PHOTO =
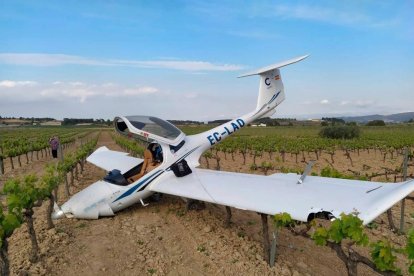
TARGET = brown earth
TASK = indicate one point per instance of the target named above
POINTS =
(165, 239)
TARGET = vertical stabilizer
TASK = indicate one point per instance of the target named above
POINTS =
(271, 90)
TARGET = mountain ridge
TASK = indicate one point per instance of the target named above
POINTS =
(392, 118)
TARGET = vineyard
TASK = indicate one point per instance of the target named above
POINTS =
(381, 154)
(169, 238)
(377, 154)
(23, 193)
(32, 144)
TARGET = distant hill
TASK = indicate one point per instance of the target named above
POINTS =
(393, 118)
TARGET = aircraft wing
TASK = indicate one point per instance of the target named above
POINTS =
(110, 160)
(280, 193)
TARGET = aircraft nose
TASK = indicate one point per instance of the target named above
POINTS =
(58, 214)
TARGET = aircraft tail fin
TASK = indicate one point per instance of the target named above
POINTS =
(271, 90)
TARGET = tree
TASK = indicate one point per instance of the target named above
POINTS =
(333, 121)
(340, 132)
(376, 123)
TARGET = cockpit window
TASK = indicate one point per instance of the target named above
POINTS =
(155, 126)
(121, 126)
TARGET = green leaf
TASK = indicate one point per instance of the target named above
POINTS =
(14, 203)
(411, 268)
(383, 257)
(320, 236)
(10, 222)
(335, 231)
(409, 248)
(282, 220)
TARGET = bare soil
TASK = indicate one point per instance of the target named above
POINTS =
(165, 239)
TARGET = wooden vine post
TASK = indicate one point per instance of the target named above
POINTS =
(405, 165)
(1, 165)
(391, 220)
(67, 193)
(228, 217)
(28, 218)
(266, 242)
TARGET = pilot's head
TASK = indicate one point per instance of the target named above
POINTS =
(153, 147)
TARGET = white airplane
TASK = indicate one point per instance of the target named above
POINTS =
(170, 166)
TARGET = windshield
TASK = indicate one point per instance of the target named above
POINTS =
(155, 126)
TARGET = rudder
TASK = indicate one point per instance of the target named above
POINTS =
(271, 89)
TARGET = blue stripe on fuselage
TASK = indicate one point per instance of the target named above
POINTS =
(150, 178)
(182, 157)
(131, 190)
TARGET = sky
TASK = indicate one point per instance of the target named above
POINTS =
(180, 59)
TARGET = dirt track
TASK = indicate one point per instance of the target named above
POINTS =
(164, 239)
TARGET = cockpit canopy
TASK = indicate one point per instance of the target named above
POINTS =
(148, 128)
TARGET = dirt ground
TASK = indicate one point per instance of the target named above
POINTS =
(165, 239)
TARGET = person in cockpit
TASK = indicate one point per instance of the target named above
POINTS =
(157, 153)
(152, 159)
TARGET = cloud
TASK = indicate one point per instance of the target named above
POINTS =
(39, 59)
(77, 83)
(45, 59)
(109, 85)
(182, 65)
(11, 84)
(354, 105)
(328, 15)
(82, 94)
(254, 34)
(331, 12)
(26, 91)
(140, 91)
(364, 103)
(190, 95)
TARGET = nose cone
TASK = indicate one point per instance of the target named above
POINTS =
(58, 214)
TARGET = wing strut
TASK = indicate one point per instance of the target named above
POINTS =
(306, 172)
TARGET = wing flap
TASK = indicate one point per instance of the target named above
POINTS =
(110, 160)
(281, 193)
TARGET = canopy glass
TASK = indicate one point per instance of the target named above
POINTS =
(149, 124)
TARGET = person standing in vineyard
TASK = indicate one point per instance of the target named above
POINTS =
(54, 144)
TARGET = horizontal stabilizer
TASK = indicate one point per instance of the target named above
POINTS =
(273, 66)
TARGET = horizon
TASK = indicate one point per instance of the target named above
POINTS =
(228, 119)
(180, 59)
